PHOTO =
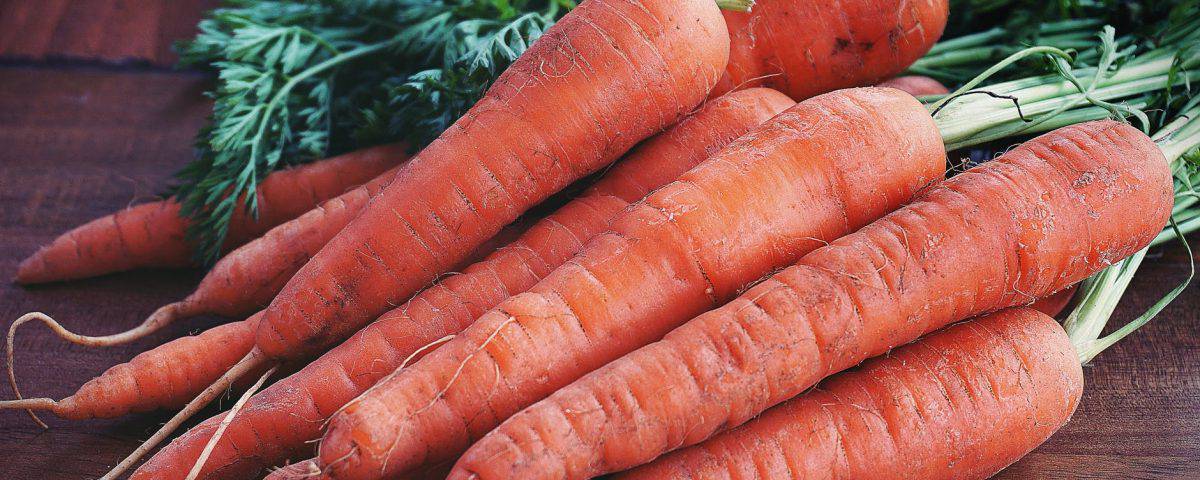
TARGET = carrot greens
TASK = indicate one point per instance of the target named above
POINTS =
(298, 81)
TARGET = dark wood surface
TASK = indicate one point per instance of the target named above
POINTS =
(139, 31)
(77, 142)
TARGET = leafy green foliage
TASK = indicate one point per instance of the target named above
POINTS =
(302, 80)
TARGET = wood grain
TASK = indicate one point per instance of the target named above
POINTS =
(102, 30)
(78, 144)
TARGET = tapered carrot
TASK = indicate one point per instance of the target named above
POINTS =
(961, 403)
(1041, 217)
(291, 412)
(154, 234)
(164, 377)
(807, 47)
(916, 85)
(607, 75)
(244, 281)
(782, 190)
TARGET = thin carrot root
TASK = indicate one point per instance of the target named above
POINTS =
(157, 320)
(29, 404)
(160, 318)
(251, 361)
(307, 469)
(36, 403)
(212, 442)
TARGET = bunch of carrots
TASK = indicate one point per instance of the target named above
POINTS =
(761, 269)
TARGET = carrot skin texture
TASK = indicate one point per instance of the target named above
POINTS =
(808, 47)
(245, 280)
(1055, 303)
(154, 235)
(771, 196)
(916, 85)
(998, 235)
(662, 159)
(290, 407)
(607, 75)
(959, 404)
(277, 422)
(167, 376)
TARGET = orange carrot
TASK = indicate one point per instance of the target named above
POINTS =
(154, 235)
(164, 377)
(609, 74)
(291, 413)
(916, 85)
(1055, 303)
(807, 47)
(1041, 217)
(780, 191)
(962, 403)
(246, 280)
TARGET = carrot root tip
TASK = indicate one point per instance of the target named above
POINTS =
(31, 404)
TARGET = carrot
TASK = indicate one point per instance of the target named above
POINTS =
(807, 47)
(916, 85)
(245, 280)
(607, 75)
(778, 192)
(154, 234)
(961, 403)
(1041, 217)
(180, 368)
(1055, 303)
(280, 422)
(164, 377)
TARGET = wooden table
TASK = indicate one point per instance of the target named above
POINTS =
(81, 136)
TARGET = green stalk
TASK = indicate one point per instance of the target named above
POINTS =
(978, 119)
(735, 5)
(952, 58)
(307, 73)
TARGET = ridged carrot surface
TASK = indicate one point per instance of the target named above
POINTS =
(822, 169)
(1042, 216)
(959, 404)
(609, 74)
(291, 413)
